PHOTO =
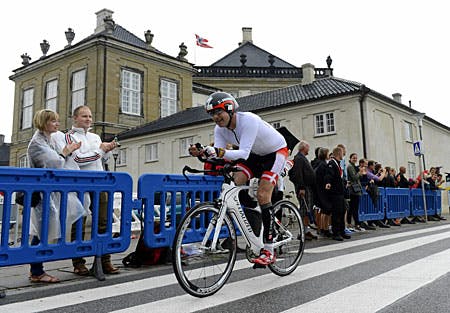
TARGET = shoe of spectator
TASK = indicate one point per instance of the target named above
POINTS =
(366, 226)
(310, 236)
(345, 236)
(81, 270)
(338, 238)
(313, 226)
(347, 231)
(359, 228)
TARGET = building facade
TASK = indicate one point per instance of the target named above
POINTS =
(124, 79)
(325, 112)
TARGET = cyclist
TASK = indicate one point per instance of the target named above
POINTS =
(262, 147)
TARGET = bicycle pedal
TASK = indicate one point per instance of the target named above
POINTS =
(256, 265)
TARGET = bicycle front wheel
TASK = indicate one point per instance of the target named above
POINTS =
(288, 227)
(201, 269)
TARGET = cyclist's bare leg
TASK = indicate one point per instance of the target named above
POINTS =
(265, 190)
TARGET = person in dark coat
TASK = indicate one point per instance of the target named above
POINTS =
(305, 179)
(335, 187)
(322, 200)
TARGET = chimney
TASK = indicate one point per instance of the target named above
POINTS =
(308, 74)
(246, 35)
(397, 97)
(101, 15)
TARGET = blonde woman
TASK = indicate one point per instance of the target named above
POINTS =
(42, 154)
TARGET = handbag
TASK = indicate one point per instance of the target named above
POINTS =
(356, 188)
(35, 198)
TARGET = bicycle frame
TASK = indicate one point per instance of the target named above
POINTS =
(229, 203)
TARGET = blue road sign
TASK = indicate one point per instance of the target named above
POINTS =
(418, 148)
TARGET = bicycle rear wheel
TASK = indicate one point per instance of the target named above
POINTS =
(200, 269)
(288, 224)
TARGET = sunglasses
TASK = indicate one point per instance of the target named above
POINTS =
(215, 111)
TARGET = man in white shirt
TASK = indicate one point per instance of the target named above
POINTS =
(261, 147)
(91, 156)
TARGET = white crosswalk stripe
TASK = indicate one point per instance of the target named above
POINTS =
(390, 286)
(248, 287)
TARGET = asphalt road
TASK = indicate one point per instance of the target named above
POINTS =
(401, 269)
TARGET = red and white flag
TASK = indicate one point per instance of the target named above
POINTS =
(202, 42)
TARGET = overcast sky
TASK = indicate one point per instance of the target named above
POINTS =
(391, 46)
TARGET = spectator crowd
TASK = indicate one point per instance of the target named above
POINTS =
(329, 189)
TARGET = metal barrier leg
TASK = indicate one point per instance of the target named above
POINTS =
(97, 268)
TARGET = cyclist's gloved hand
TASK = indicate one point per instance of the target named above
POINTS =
(213, 152)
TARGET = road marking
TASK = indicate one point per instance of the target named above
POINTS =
(255, 285)
(361, 242)
(380, 291)
(304, 272)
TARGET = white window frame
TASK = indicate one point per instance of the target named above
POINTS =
(151, 152)
(409, 136)
(27, 108)
(122, 157)
(412, 170)
(324, 124)
(185, 143)
(51, 95)
(276, 124)
(131, 90)
(168, 92)
(78, 88)
(23, 161)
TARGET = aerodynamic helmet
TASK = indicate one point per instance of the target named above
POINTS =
(221, 100)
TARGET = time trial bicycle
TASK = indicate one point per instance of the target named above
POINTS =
(205, 244)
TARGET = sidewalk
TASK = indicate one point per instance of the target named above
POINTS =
(14, 279)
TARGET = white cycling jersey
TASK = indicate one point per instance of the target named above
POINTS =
(251, 134)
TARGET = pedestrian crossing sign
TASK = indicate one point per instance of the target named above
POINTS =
(418, 148)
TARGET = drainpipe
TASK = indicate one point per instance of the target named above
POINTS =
(104, 93)
(363, 91)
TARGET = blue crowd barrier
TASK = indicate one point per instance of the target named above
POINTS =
(438, 202)
(161, 215)
(397, 202)
(417, 208)
(162, 199)
(367, 211)
(48, 181)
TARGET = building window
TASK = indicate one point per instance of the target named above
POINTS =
(151, 152)
(276, 124)
(168, 98)
(324, 123)
(131, 92)
(122, 157)
(408, 131)
(27, 108)
(185, 143)
(412, 170)
(51, 95)
(78, 89)
(23, 161)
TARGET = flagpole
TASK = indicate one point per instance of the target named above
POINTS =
(195, 55)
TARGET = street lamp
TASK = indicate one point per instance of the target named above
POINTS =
(115, 154)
